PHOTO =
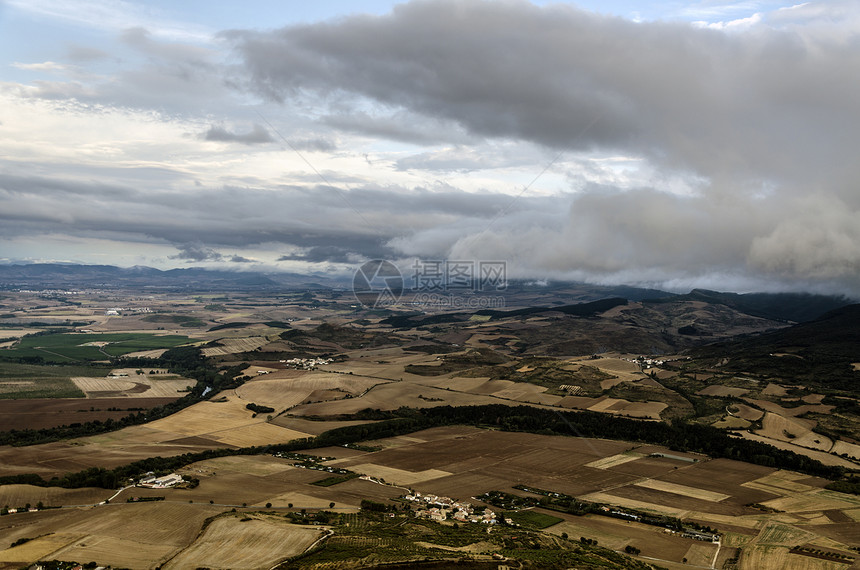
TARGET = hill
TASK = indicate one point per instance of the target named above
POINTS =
(794, 307)
(820, 352)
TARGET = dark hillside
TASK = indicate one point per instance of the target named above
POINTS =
(820, 352)
(795, 307)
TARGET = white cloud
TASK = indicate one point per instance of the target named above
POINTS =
(113, 16)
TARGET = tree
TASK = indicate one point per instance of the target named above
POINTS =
(331, 505)
(268, 505)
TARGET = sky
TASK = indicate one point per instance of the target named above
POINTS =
(672, 144)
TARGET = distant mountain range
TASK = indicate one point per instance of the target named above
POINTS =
(786, 307)
(63, 276)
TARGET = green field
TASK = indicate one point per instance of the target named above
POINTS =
(532, 519)
(72, 347)
(22, 381)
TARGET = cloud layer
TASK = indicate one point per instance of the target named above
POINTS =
(570, 144)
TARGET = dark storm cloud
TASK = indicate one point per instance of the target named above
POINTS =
(202, 222)
(762, 123)
(696, 98)
(257, 135)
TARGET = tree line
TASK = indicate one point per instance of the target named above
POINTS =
(677, 436)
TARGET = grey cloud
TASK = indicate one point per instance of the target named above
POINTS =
(240, 259)
(399, 126)
(197, 252)
(257, 135)
(235, 217)
(324, 253)
(723, 105)
(758, 127)
(82, 54)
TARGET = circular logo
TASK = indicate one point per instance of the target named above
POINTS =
(377, 283)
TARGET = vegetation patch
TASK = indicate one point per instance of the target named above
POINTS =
(65, 348)
(532, 519)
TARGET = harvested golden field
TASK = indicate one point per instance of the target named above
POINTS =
(616, 534)
(42, 547)
(774, 390)
(780, 482)
(794, 430)
(132, 535)
(825, 458)
(783, 535)
(850, 449)
(771, 557)
(745, 412)
(650, 410)
(283, 389)
(133, 385)
(612, 461)
(227, 422)
(685, 490)
(397, 476)
(505, 389)
(635, 504)
(19, 495)
(814, 501)
(235, 345)
(700, 554)
(232, 543)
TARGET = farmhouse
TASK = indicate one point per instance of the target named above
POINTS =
(154, 482)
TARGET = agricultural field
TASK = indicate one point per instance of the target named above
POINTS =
(52, 412)
(133, 383)
(460, 462)
(245, 542)
(547, 361)
(25, 381)
(63, 348)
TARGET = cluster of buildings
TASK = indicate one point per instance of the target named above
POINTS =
(306, 363)
(645, 362)
(444, 508)
(153, 482)
(116, 311)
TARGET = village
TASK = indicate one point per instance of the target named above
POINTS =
(443, 508)
(306, 363)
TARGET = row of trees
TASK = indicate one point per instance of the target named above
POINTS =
(677, 436)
